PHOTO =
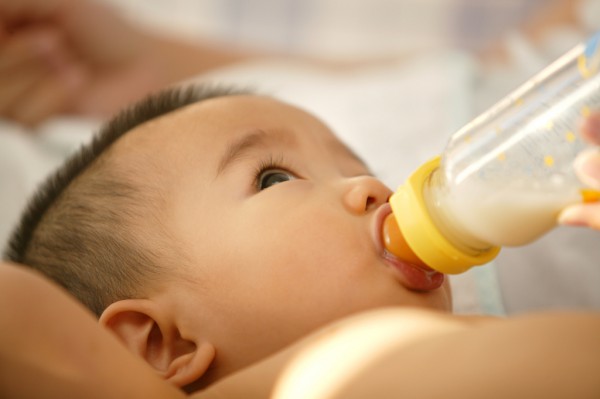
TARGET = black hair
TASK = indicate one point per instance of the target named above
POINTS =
(79, 227)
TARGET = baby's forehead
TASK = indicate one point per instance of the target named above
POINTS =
(218, 113)
(219, 120)
(211, 127)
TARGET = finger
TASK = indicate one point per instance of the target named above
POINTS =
(14, 85)
(22, 84)
(33, 9)
(48, 98)
(590, 128)
(22, 48)
(586, 215)
(3, 30)
(17, 50)
(587, 167)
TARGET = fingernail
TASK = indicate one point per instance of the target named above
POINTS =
(572, 216)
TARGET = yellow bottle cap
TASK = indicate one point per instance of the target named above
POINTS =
(421, 234)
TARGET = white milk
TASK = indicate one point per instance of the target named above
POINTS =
(504, 218)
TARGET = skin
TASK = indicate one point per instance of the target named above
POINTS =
(80, 57)
(52, 347)
(392, 350)
(427, 355)
(310, 242)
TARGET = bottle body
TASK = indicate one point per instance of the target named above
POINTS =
(514, 214)
(504, 177)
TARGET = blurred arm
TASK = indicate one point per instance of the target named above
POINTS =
(544, 355)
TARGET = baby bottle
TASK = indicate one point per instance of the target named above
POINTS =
(504, 177)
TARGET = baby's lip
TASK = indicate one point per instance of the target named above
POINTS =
(377, 231)
(411, 276)
(414, 277)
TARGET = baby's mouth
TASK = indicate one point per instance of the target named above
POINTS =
(414, 277)
(409, 270)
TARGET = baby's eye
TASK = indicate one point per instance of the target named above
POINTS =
(271, 177)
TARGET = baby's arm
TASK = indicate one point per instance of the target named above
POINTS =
(51, 347)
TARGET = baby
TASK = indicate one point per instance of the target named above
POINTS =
(209, 228)
(212, 228)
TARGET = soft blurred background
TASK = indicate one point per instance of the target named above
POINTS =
(343, 28)
(426, 68)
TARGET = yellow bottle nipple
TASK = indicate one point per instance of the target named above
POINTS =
(394, 242)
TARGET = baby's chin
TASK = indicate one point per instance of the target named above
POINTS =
(439, 299)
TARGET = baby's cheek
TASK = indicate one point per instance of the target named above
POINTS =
(338, 237)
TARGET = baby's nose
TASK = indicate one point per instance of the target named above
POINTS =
(364, 193)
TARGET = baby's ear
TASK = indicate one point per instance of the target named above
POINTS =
(150, 332)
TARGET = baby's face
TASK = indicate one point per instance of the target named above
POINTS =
(279, 221)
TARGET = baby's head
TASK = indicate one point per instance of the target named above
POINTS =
(209, 228)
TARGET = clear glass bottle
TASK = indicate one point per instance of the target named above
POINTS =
(504, 177)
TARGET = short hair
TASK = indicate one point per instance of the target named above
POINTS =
(78, 228)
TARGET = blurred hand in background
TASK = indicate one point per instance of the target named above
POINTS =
(81, 57)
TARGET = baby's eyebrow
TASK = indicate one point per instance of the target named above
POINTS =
(253, 139)
(347, 151)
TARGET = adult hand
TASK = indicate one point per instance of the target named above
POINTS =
(38, 75)
(67, 56)
(587, 168)
(81, 57)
